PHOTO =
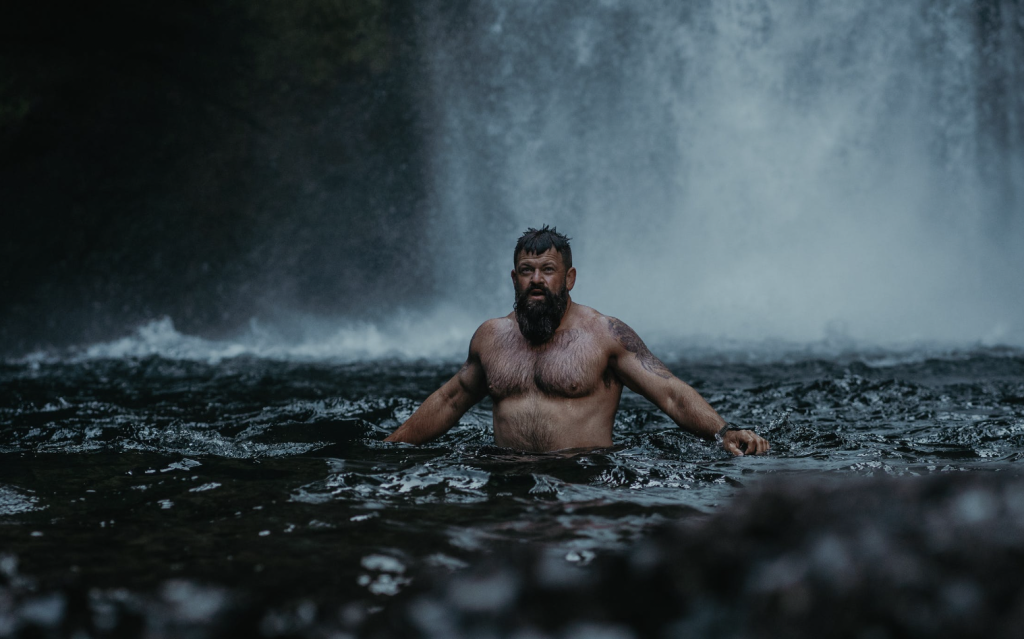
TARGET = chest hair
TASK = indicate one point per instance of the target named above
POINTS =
(570, 365)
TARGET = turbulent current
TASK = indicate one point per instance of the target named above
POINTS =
(178, 497)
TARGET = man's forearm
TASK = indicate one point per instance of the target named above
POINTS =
(432, 419)
(692, 413)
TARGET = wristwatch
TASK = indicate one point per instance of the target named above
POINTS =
(720, 435)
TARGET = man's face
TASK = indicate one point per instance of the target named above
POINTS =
(542, 286)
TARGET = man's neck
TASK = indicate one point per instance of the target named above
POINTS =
(561, 322)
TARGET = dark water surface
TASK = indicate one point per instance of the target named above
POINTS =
(161, 496)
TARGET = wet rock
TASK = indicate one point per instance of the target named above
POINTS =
(923, 557)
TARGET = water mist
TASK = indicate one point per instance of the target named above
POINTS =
(741, 169)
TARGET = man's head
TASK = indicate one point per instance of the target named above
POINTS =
(538, 241)
(543, 277)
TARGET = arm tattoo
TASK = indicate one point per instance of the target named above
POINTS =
(632, 343)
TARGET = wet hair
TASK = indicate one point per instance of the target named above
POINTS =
(536, 241)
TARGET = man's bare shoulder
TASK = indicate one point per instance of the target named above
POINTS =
(615, 334)
(491, 330)
(625, 342)
(597, 324)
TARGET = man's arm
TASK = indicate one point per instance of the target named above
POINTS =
(644, 373)
(446, 405)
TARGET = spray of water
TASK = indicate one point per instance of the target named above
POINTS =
(439, 334)
(735, 174)
(746, 169)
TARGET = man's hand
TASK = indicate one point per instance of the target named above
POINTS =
(744, 442)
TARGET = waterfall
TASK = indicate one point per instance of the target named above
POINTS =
(740, 168)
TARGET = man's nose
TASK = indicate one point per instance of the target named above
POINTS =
(536, 276)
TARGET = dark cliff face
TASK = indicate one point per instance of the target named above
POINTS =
(206, 161)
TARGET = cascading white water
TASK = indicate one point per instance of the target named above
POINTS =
(740, 168)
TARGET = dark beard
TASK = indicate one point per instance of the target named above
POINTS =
(539, 320)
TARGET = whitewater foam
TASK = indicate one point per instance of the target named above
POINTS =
(439, 335)
(444, 333)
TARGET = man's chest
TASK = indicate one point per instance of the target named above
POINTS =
(572, 365)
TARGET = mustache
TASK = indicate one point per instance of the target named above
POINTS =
(523, 297)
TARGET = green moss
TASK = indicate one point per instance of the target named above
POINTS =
(15, 105)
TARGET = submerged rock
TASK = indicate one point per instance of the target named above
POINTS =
(920, 557)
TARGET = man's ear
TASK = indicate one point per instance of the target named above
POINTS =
(570, 279)
(513, 277)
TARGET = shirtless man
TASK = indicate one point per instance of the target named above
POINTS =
(555, 369)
